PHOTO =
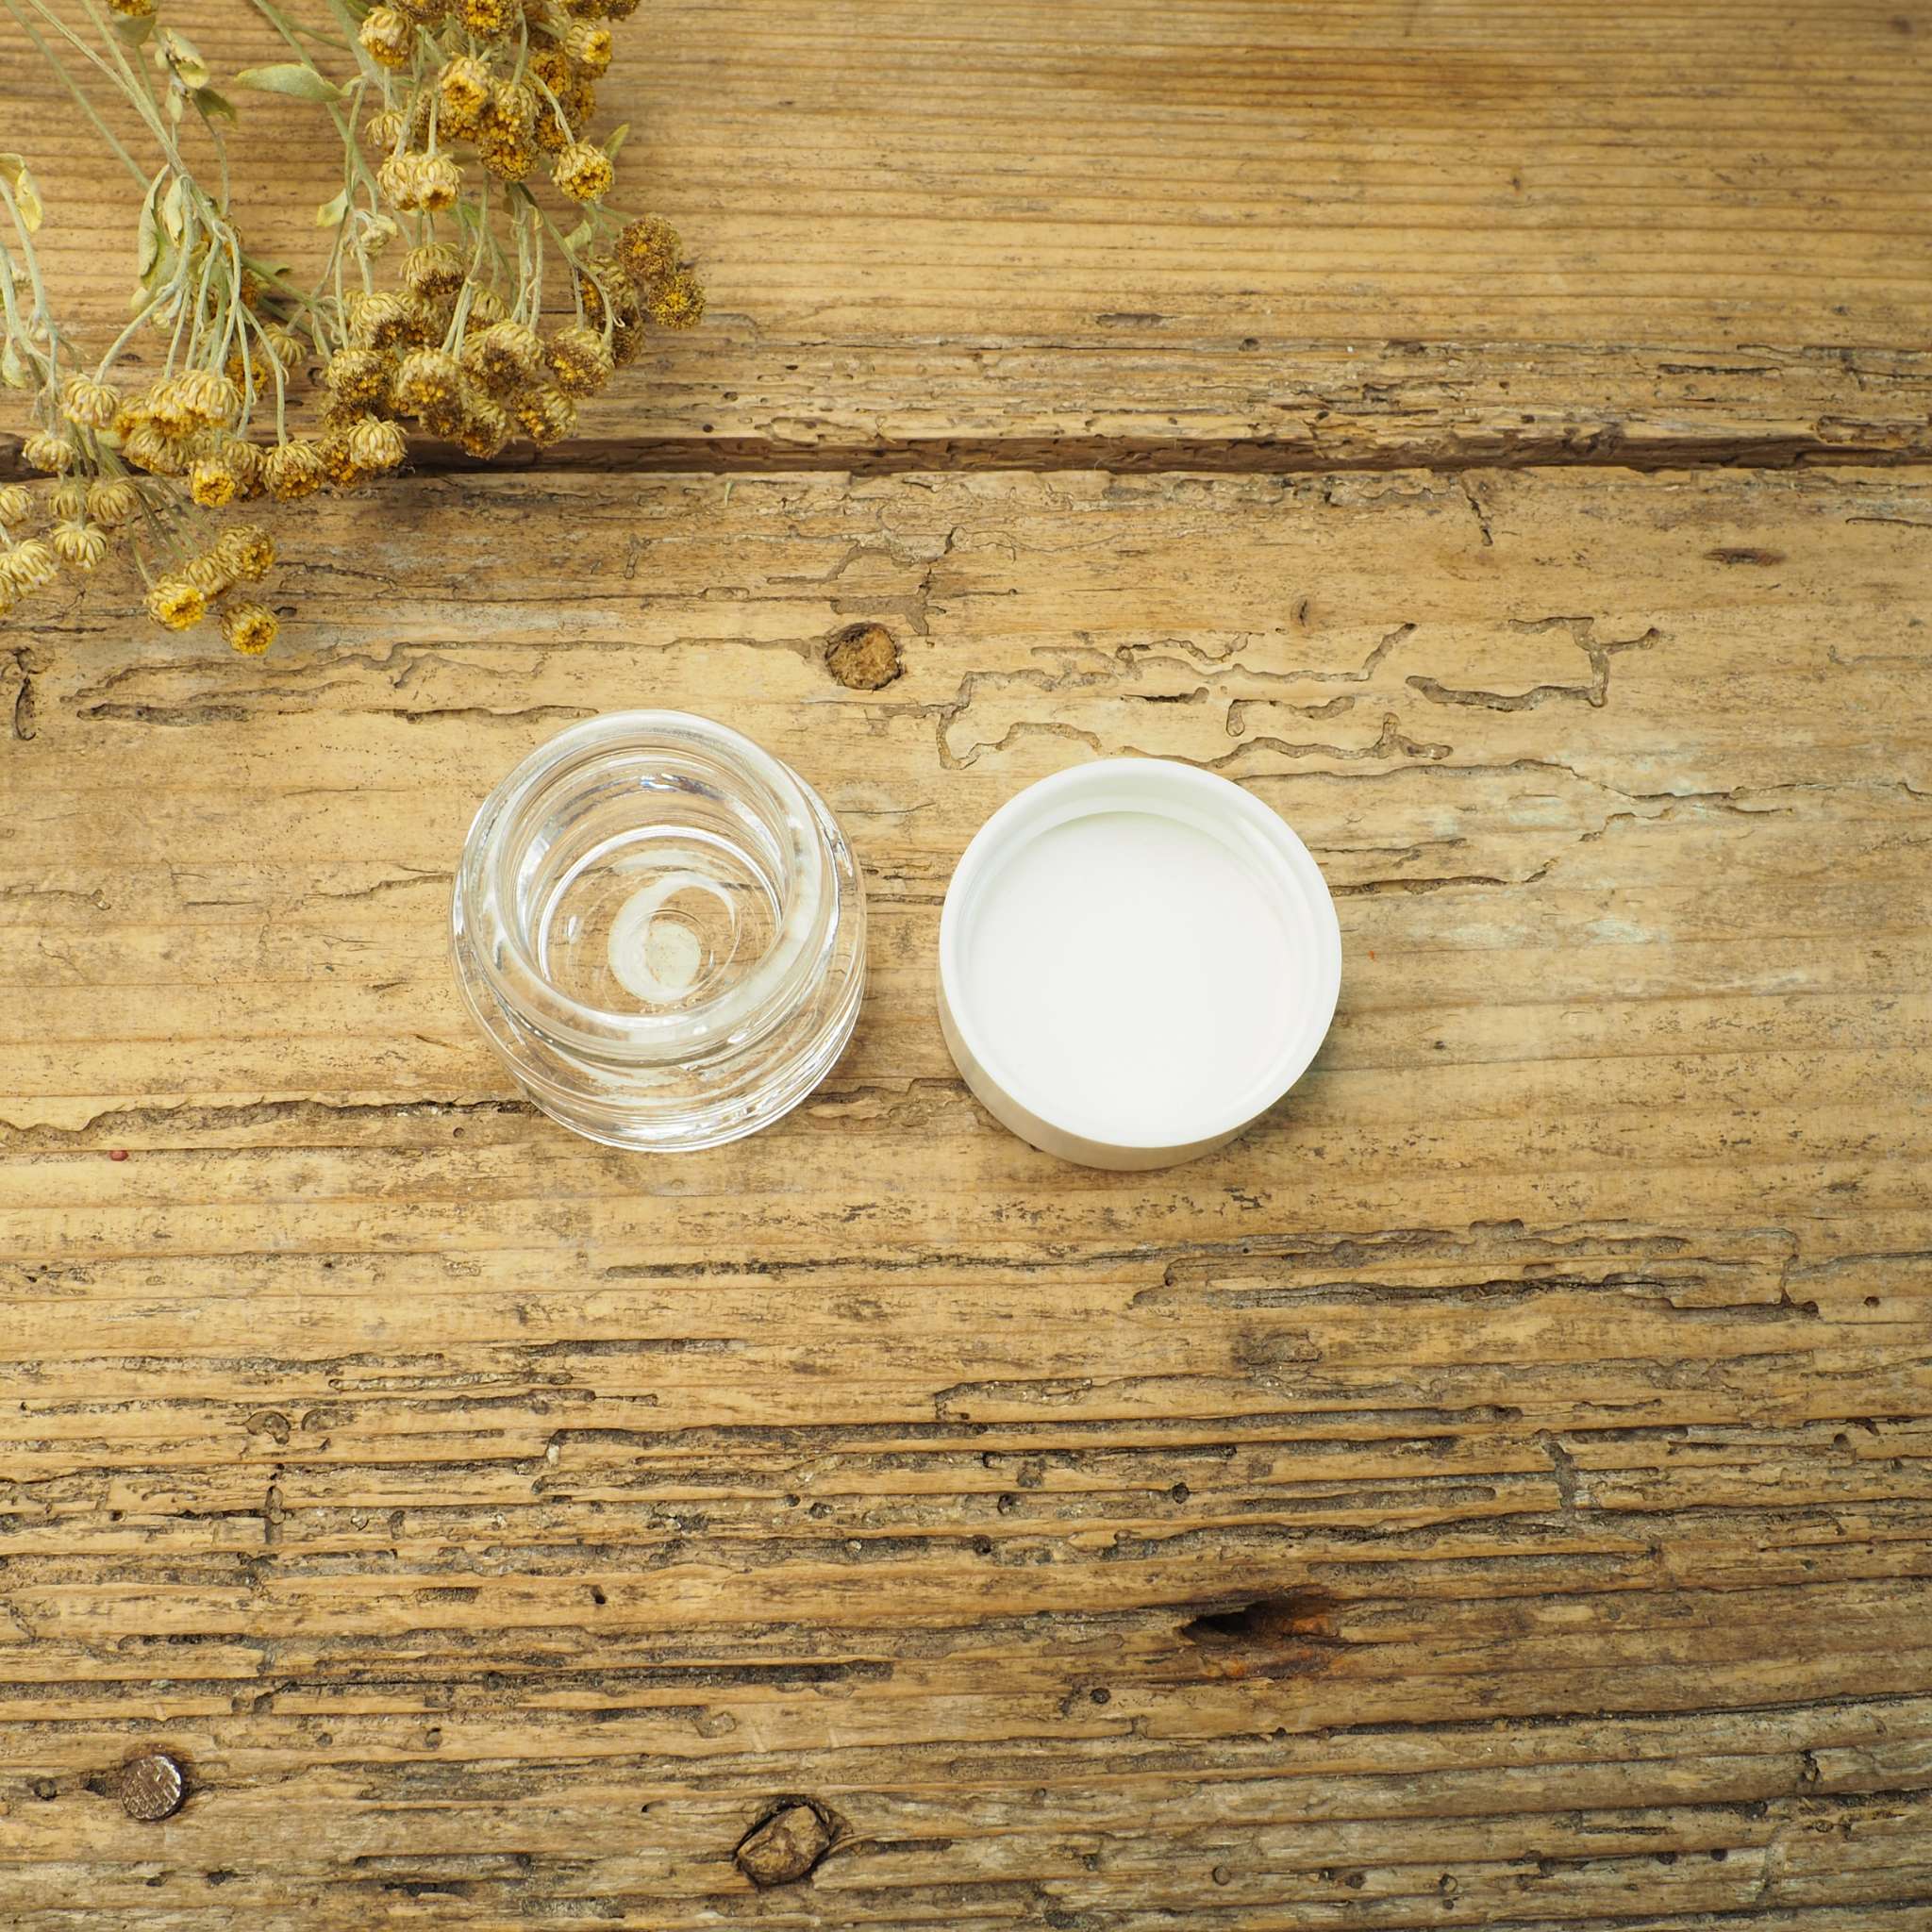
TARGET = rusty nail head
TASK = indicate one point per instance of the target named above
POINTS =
(151, 1786)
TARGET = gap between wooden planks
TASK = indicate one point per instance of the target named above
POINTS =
(1492, 1495)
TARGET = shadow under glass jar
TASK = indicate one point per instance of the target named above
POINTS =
(662, 929)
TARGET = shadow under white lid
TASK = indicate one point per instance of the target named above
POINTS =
(1133, 974)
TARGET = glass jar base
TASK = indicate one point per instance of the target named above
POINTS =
(730, 1116)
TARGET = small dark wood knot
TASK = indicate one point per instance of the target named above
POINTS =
(150, 1788)
(1287, 1636)
(863, 657)
(786, 1844)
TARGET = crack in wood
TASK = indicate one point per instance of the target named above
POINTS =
(1603, 445)
(26, 664)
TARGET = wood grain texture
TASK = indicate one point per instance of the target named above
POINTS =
(1497, 1492)
(1287, 236)
(1494, 1493)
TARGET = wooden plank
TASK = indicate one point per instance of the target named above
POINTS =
(1281, 237)
(1494, 1493)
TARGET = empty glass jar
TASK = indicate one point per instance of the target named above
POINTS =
(662, 929)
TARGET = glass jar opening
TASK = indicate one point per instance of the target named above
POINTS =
(647, 884)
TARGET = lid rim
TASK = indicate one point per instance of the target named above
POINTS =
(1035, 810)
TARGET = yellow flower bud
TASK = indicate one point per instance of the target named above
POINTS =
(375, 445)
(246, 550)
(648, 250)
(489, 19)
(30, 566)
(210, 482)
(462, 92)
(679, 303)
(150, 449)
(210, 573)
(209, 398)
(580, 360)
(90, 402)
(486, 427)
(169, 407)
(358, 377)
(486, 306)
(400, 179)
(292, 470)
(435, 269)
(508, 356)
(509, 159)
(43, 450)
(440, 183)
(589, 46)
(547, 414)
(249, 628)
(176, 604)
(112, 501)
(428, 379)
(243, 461)
(583, 172)
(339, 459)
(387, 38)
(378, 321)
(83, 545)
(283, 345)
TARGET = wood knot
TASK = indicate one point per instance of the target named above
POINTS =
(863, 657)
(787, 1843)
(150, 1788)
(1746, 553)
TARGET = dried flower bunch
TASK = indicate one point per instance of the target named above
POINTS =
(440, 309)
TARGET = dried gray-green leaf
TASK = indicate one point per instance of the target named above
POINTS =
(173, 209)
(295, 78)
(175, 52)
(26, 199)
(148, 233)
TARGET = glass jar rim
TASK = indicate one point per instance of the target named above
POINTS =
(486, 896)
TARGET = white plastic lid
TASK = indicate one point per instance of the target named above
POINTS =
(1137, 958)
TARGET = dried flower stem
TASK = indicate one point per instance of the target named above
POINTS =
(449, 346)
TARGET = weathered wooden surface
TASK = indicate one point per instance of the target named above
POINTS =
(1498, 1493)
(1493, 1492)
(1280, 236)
